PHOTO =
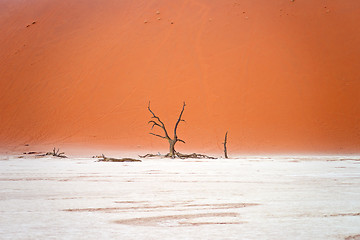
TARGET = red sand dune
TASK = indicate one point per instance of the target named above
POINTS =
(280, 76)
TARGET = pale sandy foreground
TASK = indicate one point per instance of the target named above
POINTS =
(245, 198)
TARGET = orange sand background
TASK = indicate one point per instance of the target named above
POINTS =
(280, 76)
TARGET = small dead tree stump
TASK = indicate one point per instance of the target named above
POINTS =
(54, 153)
(225, 142)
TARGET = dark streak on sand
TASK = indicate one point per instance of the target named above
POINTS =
(148, 208)
(343, 215)
(354, 237)
(224, 205)
(181, 219)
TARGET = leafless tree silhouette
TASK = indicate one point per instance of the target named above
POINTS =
(156, 122)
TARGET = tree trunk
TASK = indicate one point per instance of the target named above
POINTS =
(172, 148)
(225, 149)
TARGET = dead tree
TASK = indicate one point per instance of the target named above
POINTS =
(55, 153)
(225, 142)
(172, 141)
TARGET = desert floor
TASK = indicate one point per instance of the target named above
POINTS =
(241, 198)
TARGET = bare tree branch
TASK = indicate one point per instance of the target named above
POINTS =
(158, 135)
(179, 120)
(154, 124)
(181, 140)
(162, 125)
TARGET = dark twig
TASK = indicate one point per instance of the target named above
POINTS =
(181, 140)
(154, 124)
(157, 135)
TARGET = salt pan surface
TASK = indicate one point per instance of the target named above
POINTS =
(243, 198)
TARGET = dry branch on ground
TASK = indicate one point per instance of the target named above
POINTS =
(107, 159)
(179, 155)
(54, 153)
(194, 155)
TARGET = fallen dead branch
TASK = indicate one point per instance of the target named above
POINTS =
(107, 159)
(54, 153)
(194, 155)
(179, 155)
(149, 155)
(30, 153)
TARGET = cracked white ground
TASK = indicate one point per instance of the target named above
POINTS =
(243, 198)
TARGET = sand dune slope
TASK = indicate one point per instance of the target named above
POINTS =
(280, 76)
